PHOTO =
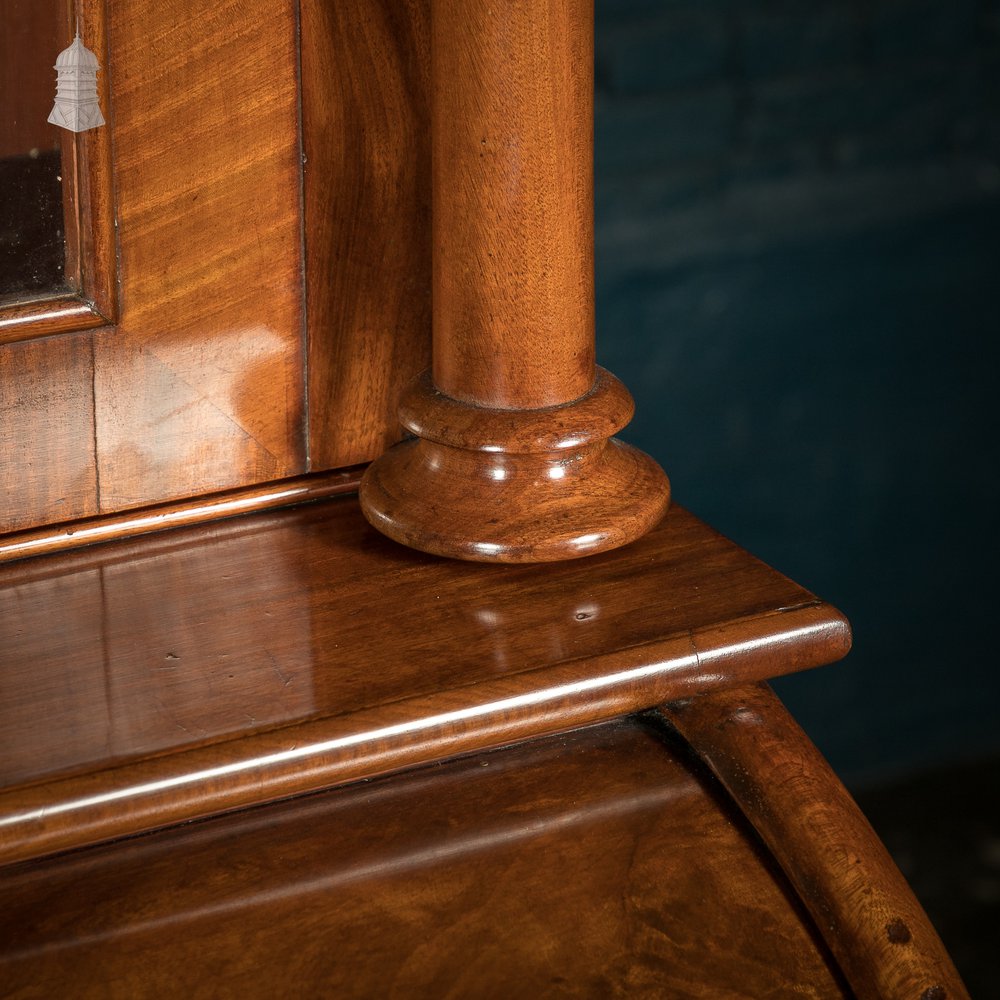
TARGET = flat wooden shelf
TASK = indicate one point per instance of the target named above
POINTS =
(190, 673)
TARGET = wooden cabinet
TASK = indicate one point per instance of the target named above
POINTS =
(197, 673)
(271, 752)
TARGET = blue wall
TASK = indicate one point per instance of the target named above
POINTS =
(798, 226)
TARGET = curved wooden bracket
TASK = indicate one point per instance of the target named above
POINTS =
(514, 459)
(860, 902)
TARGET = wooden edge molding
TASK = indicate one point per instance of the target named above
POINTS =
(177, 514)
(95, 181)
(57, 815)
(428, 413)
(32, 318)
(860, 902)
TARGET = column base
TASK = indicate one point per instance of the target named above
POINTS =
(515, 486)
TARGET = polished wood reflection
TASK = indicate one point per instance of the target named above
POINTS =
(599, 864)
(76, 534)
(199, 387)
(208, 668)
(270, 240)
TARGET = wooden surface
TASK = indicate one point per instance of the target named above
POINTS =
(366, 140)
(600, 864)
(514, 485)
(65, 312)
(91, 225)
(226, 366)
(514, 508)
(204, 669)
(859, 900)
(200, 387)
(513, 324)
(48, 468)
(266, 327)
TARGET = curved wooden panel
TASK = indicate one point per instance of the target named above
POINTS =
(597, 865)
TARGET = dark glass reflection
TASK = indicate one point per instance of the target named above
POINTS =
(32, 241)
(32, 226)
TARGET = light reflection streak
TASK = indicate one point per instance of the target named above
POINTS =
(487, 548)
(153, 521)
(70, 309)
(274, 762)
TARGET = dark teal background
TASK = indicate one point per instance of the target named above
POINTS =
(798, 226)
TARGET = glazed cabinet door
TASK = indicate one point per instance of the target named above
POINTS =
(262, 175)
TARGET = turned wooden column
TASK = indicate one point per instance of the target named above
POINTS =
(514, 458)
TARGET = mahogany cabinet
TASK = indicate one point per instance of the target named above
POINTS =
(272, 752)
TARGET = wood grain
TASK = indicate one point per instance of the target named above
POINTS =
(283, 652)
(595, 865)
(92, 188)
(366, 135)
(513, 201)
(514, 507)
(200, 387)
(859, 900)
(31, 318)
(46, 432)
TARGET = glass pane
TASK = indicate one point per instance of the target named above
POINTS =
(32, 228)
